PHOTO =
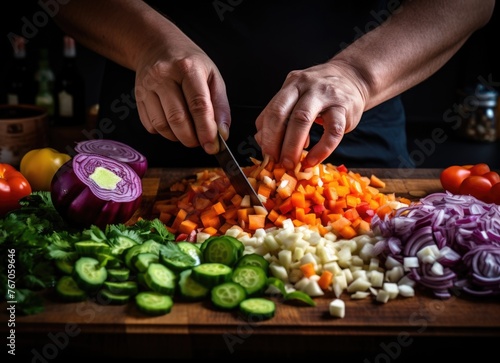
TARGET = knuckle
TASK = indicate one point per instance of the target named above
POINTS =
(176, 117)
(302, 117)
(199, 104)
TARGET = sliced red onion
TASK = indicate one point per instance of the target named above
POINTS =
(466, 231)
(115, 150)
(95, 189)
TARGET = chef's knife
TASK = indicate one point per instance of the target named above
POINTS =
(235, 174)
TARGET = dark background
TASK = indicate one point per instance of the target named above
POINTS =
(426, 104)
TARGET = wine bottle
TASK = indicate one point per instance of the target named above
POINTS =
(69, 89)
(20, 84)
(45, 79)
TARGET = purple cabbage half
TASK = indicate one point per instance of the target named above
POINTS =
(115, 150)
(92, 189)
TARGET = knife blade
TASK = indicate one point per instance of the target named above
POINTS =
(235, 174)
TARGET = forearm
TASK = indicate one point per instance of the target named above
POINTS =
(420, 37)
(117, 29)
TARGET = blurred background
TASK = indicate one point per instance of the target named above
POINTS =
(431, 106)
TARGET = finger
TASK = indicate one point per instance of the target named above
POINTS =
(272, 122)
(151, 114)
(334, 124)
(301, 119)
(198, 99)
(222, 112)
(177, 115)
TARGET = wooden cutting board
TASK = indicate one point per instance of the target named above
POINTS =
(195, 329)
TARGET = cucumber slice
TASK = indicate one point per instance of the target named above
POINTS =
(258, 308)
(211, 274)
(228, 295)
(142, 260)
(68, 289)
(122, 287)
(154, 303)
(89, 274)
(118, 274)
(254, 259)
(178, 262)
(92, 248)
(252, 278)
(65, 266)
(192, 250)
(222, 249)
(106, 297)
(189, 288)
(160, 278)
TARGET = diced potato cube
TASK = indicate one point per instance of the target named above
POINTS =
(428, 254)
(333, 267)
(348, 275)
(406, 290)
(410, 262)
(382, 296)
(341, 280)
(358, 295)
(285, 258)
(271, 243)
(376, 278)
(337, 289)
(405, 280)
(394, 274)
(278, 271)
(313, 289)
(360, 284)
(391, 288)
(366, 252)
(374, 264)
(359, 274)
(337, 308)
(391, 262)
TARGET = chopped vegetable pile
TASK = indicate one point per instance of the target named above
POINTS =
(324, 197)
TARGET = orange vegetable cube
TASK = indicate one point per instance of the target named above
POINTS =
(308, 269)
(325, 280)
(187, 226)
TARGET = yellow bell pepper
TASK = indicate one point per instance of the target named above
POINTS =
(39, 166)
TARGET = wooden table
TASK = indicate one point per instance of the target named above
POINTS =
(400, 330)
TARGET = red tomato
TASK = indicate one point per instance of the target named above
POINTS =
(494, 194)
(479, 169)
(13, 187)
(492, 176)
(452, 177)
(475, 185)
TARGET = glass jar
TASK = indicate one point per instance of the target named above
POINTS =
(478, 108)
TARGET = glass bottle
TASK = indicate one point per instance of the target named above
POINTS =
(19, 83)
(69, 88)
(45, 78)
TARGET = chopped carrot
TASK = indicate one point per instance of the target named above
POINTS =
(218, 208)
(187, 226)
(308, 269)
(256, 221)
(325, 280)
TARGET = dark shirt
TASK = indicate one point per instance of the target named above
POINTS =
(255, 44)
